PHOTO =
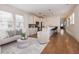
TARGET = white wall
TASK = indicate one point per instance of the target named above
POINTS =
(51, 21)
(33, 19)
(74, 29)
(37, 19)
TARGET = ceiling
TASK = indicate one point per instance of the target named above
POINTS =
(43, 10)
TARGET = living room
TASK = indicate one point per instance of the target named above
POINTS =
(27, 28)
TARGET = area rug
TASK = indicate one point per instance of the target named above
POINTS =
(34, 48)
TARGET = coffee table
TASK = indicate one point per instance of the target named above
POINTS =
(22, 43)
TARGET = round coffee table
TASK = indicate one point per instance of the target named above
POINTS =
(22, 43)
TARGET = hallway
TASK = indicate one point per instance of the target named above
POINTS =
(62, 44)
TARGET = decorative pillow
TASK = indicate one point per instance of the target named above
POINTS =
(11, 33)
(18, 32)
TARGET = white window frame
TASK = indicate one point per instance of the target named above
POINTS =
(5, 16)
(72, 19)
(19, 22)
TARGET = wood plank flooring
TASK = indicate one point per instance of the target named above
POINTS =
(62, 44)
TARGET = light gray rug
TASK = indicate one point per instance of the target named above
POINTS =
(34, 48)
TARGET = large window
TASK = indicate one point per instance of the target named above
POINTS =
(6, 21)
(19, 22)
(70, 20)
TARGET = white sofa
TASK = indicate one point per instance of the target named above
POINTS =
(44, 35)
(9, 39)
(6, 37)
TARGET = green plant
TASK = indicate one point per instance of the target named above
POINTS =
(23, 35)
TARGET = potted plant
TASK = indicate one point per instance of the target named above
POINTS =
(23, 36)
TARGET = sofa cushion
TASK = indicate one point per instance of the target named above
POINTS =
(18, 32)
(11, 33)
(10, 39)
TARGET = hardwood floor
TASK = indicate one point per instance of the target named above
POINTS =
(62, 44)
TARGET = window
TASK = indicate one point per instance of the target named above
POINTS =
(6, 21)
(19, 22)
(72, 19)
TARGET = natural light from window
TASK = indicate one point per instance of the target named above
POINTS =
(6, 21)
(19, 22)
